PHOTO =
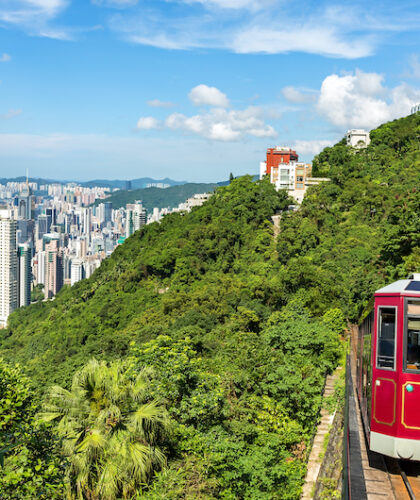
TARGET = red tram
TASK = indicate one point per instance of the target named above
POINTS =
(388, 370)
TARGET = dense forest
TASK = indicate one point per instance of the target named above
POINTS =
(191, 364)
(152, 197)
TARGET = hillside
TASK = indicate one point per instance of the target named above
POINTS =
(156, 197)
(239, 329)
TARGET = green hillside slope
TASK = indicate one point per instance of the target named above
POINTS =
(156, 197)
(238, 328)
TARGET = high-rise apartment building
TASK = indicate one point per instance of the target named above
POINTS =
(24, 274)
(77, 271)
(53, 269)
(86, 220)
(42, 226)
(40, 268)
(136, 217)
(8, 266)
(107, 212)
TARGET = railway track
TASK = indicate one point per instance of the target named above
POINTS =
(385, 478)
(405, 478)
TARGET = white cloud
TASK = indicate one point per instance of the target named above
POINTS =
(147, 123)
(157, 103)
(5, 57)
(248, 26)
(310, 38)
(203, 95)
(292, 94)
(223, 125)
(360, 100)
(11, 114)
(252, 5)
(34, 16)
(312, 147)
(216, 123)
(115, 3)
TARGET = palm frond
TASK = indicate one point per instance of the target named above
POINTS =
(93, 439)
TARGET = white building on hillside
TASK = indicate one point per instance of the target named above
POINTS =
(358, 138)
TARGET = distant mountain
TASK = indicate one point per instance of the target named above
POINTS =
(135, 183)
(112, 184)
(156, 197)
(39, 180)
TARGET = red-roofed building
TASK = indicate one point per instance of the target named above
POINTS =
(278, 155)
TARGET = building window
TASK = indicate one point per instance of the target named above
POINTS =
(385, 356)
(412, 336)
(299, 178)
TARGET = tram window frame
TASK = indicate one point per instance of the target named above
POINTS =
(406, 301)
(378, 331)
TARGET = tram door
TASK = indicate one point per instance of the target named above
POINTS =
(384, 369)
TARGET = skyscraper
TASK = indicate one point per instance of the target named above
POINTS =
(136, 217)
(107, 212)
(8, 266)
(40, 277)
(25, 203)
(77, 271)
(53, 269)
(24, 274)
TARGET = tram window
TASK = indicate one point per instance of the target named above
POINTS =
(412, 328)
(386, 338)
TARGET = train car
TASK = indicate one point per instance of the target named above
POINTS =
(388, 370)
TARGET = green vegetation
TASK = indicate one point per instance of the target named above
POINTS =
(31, 465)
(110, 430)
(37, 294)
(157, 197)
(230, 330)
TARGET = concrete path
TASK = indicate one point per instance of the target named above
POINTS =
(318, 447)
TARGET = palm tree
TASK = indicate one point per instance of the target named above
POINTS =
(110, 430)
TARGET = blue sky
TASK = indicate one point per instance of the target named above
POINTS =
(195, 89)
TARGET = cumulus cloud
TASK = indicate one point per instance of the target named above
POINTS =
(222, 125)
(157, 103)
(312, 147)
(5, 57)
(203, 95)
(147, 123)
(292, 94)
(216, 123)
(361, 100)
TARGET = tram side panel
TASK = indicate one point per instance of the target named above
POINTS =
(364, 369)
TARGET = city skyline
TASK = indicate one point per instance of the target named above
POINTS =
(194, 89)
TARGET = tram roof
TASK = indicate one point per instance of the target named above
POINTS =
(408, 286)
